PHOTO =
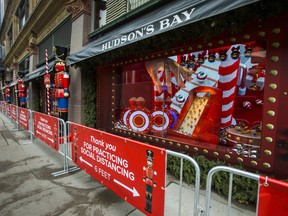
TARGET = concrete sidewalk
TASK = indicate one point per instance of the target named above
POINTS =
(27, 187)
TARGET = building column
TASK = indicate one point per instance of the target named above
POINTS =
(33, 60)
(81, 26)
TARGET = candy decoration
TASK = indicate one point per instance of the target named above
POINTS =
(201, 76)
(139, 120)
(259, 102)
(47, 89)
(228, 72)
(247, 105)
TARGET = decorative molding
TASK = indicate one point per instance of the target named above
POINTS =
(78, 7)
(32, 49)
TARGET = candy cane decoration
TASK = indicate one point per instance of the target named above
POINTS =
(47, 89)
(228, 72)
(15, 87)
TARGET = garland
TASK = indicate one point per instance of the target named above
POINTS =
(89, 94)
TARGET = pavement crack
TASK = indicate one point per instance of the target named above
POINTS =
(4, 138)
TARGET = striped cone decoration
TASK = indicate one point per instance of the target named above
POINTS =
(47, 89)
(228, 72)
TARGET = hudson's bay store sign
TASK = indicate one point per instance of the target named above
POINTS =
(150, 29)
(171, 15)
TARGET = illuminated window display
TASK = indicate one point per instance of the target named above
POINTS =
(209, 97)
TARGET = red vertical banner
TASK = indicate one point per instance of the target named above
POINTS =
(23, 118)
(272, 197)
(13, 112)
(47, 79)
(46, 129)
(133, 170)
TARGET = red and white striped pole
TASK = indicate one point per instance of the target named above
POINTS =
(228, 72)
(47, 89)
(15, 87)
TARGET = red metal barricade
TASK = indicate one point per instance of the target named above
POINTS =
(14, 113)
(23, 118)
(127, 167)
(46, 129)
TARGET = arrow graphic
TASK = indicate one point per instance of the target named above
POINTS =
(82, 160)
(134, 191)
(51, 140)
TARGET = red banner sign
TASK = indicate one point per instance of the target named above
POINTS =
(13, 112)
(272, 196)
(23, 118)
(46, 129)
(47, 79)
(133, 170)
(8, 109)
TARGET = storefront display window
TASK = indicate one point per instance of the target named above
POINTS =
(208, 97)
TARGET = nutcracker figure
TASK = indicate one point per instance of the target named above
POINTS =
(7, 94)
(61, 82)
(148, 179)
(22, 93)
(256, 75)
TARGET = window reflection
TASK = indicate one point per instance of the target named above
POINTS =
(210, 96)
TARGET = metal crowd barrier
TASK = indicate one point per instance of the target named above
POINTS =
(231, 171)
(65, 149)
(61, 137)
(197, 209)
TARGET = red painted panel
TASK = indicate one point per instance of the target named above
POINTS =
(13, 112)
(46, 129)
(23, 118)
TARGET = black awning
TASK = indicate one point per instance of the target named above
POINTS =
(172, 15)
(38, 72)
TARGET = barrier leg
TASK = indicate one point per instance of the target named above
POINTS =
(66, 169)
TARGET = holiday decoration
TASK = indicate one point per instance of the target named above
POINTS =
(149, 173)
(183, 61)
(191, 62)
(228, 72)
(47, 82)
(202, 76)
(22, 93)
(61, 82)
(211, 56)
(201, 57)
(248, 50)
(200, 116)
(139, 118)
(223, 55)
(15, 86)
(235, 52)
(7, 94)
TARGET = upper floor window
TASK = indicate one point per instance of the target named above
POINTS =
(23, 13)
(132, 4)
(24, 66)
(59, 37)
(99, 13)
